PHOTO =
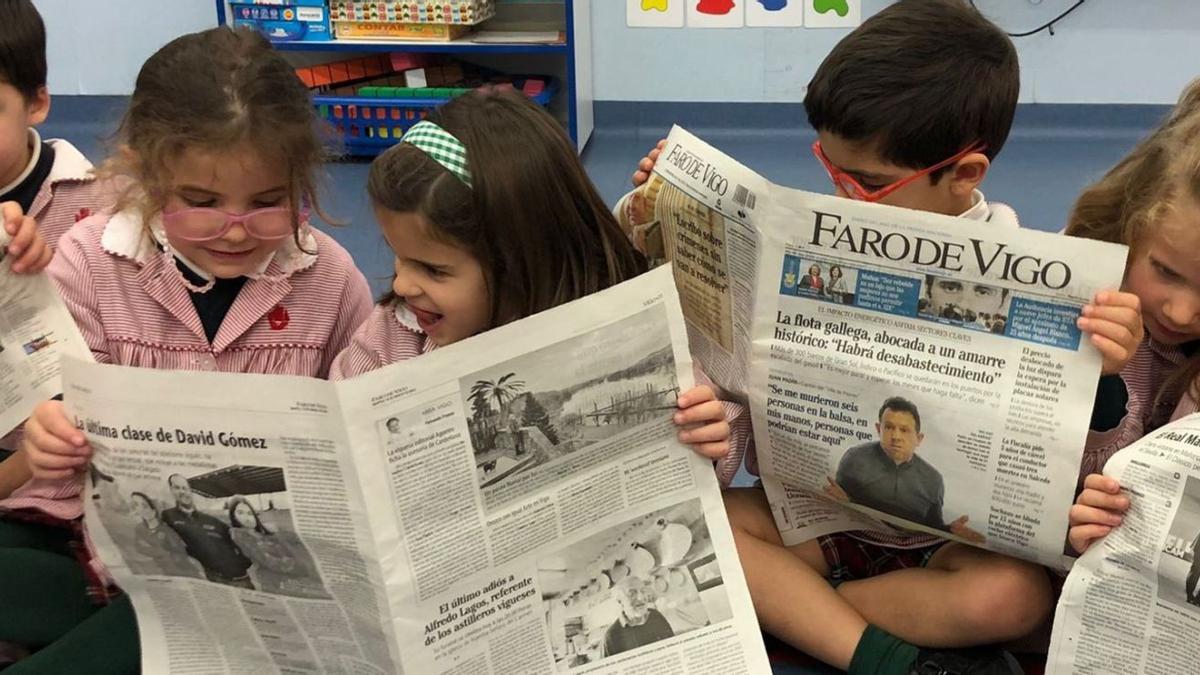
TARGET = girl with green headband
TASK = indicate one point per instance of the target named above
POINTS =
(492, 219)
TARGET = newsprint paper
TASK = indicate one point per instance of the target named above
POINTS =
(1132, 602)
(924, 369)
(36, 330)
(514, 503)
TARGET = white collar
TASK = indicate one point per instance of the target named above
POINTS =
(981, 210)
(125, 236)
(35, 142)
(407, 318)
(69, 162)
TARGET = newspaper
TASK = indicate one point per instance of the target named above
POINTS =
(1132, 602)
(514, 503)
(924, 369)
(36, 330)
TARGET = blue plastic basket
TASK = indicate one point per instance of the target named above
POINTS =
(368, 126)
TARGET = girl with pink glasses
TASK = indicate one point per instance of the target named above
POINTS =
(208, 262)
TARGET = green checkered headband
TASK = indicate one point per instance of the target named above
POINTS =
(442, 146)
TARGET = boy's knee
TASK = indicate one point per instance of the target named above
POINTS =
(748, 512)
(1009, 599)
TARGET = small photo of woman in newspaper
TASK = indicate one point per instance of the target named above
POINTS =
(281, 564)
(640, 582)
(1179, 564)
(162, 550)
(821, 279)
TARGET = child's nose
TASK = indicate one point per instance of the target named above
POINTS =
(236, 234)
(1183, 309)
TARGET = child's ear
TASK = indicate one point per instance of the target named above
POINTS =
(968, 173)
(37, 109)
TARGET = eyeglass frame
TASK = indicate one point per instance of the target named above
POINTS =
(860, 193)
(231, 219)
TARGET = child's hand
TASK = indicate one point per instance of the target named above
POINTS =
(30, 254)
(647, 164)
(1097, 510)
(55, 449)
(835, 491)
(959, 528)
(1114, 323)
(702, 422)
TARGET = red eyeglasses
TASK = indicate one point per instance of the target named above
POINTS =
(853, 189)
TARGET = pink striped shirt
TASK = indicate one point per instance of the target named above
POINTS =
(133, 308)
(391, 335)
(1144, 376)
(69, 194)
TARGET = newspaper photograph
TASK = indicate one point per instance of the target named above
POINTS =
(1131, 604)
(36, 330)
(514, 503)
(924, 371)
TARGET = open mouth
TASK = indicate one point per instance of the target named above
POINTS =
(426, 319)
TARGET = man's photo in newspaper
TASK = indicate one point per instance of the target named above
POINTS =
(819, 279)
(1179, 566)
(969, 304)
(232, 526)
(634, 584)
(551, 403)
(903, 470)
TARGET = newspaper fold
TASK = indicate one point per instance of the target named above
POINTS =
(1132, 602)
(514, 503)
(923, 369)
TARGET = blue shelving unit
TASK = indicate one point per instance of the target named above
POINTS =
(567, 62)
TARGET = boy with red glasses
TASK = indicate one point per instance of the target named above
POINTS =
(910, 109)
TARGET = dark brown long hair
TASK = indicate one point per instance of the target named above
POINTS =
(215, 90)
(1128, 203)
(532, 219)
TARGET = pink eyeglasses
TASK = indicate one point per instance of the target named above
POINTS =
(207, 224)
(853, 189)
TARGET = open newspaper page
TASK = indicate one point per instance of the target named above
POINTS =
(225, 505)
(1132, 602)
(922, 369)
(514, 503)
(703, 208)
(35, 331)
(546, 519)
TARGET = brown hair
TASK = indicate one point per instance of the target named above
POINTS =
(22, 47)
(924, 79)
(215, 90)
(532, 219)
(1127, 205)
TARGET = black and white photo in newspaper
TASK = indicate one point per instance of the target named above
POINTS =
(1131, 603)
(526, 458)
(224, 506)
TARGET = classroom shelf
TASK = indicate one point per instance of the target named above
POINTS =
(569, 62)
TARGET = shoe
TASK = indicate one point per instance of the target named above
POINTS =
(976, 661)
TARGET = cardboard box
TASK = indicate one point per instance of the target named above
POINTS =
(284, 22)
(456, 12)
(382, 30)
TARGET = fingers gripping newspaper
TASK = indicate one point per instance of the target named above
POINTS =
(925, 370)
(1132, 602)
(36, 330)
(514, 503)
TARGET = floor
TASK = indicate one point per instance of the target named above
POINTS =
(1053, 152)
